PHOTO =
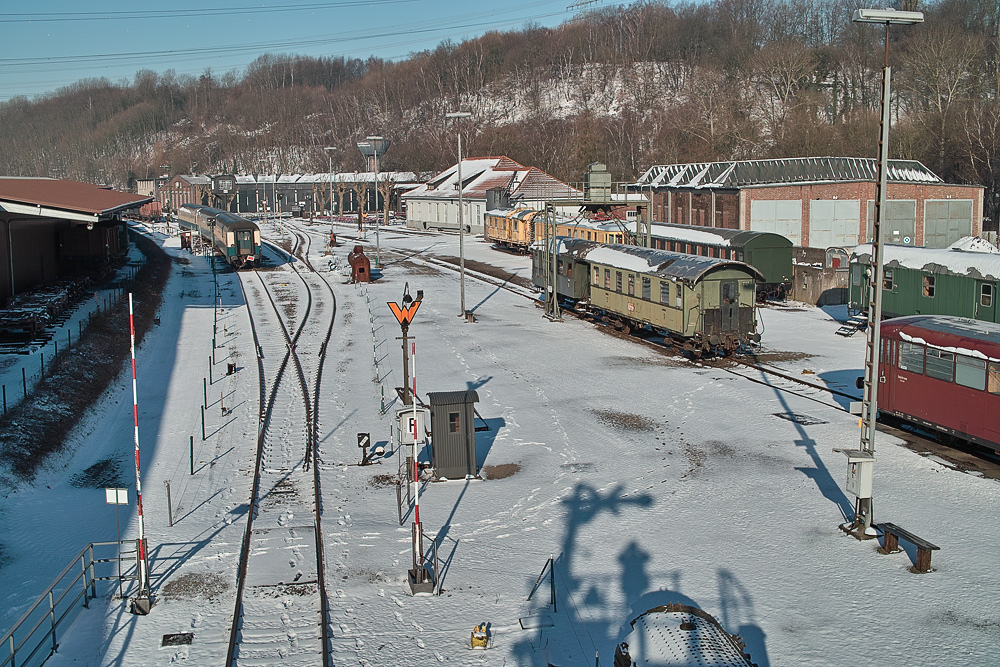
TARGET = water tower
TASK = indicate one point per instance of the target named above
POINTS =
(371, 148)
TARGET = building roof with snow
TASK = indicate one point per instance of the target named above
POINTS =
(736, 174)
(481, 174)
(662, 263)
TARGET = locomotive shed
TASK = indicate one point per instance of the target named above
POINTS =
(651, 482)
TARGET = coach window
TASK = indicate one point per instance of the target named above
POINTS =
(607, 278)
(665, 292)
(928, 289)
(597, 276)
(631, 285)
(618, 281)
(647, 288)
(970, 372)
(887, 280)
(911, 357)
(993, 378)
(986, 296)
(940, 364)
(560, 267)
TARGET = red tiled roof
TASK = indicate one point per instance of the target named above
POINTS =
(67, 195)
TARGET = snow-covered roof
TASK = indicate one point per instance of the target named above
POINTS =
(713, 235)
(480, 174)
(951, 260)
(750, 173)
(961, 335)
(665, 264)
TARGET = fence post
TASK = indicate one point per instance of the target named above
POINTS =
(170, 507)
(552, 583)
(93, 578)
(203, 423)
(204, 389)
(437, 571)
(52, 621)
(192, 454)
(42, 359)
(83, 571)
(5, 399)
(399, 501)
(24, 382)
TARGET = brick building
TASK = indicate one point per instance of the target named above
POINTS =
(819, 202)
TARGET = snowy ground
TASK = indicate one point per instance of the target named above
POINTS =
(649, 479)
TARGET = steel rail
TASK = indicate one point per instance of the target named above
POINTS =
(266, 411)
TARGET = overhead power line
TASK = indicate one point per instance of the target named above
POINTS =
(159, 14)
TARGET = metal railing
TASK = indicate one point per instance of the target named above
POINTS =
(34, 637)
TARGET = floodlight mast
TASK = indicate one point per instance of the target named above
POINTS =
(376, 142)
(861, 526)
(459, 115)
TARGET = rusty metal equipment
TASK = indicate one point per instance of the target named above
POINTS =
(361, 268)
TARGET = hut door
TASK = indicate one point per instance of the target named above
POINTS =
(985, 301)
(729, 303)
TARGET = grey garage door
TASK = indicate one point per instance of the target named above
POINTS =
(834, 223)
(899, 224)
(946, 221)
(780, 217)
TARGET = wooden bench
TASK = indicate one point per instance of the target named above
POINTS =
(892, 533)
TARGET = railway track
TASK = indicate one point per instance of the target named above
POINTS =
(281, 613)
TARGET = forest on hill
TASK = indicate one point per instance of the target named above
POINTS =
(631, 86)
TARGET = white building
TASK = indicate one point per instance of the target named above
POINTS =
(487, 183)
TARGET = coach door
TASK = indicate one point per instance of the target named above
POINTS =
(985, 301)
(729, 305)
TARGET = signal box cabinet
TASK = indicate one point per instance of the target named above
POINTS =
(453, 433)
(860, 468)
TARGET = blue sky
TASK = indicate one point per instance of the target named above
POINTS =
(52, 43)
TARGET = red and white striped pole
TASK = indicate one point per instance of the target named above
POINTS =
(416, 466)
(141, 605)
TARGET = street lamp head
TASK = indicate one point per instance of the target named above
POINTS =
(887, 16)
(374, 138)
(458, 114)
(330, 149)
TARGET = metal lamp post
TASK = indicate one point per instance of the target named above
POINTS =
(459, 115)
(330, 150)
(375, 142)
(861, 462)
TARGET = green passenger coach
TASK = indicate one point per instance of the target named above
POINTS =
(961, 280)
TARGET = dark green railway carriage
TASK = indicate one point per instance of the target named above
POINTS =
(929, 281)
(769, 253)
(571, 274)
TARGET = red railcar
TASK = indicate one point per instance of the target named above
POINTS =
(943, 373)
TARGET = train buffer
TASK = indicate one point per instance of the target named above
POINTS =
(893, 533)
(853, 325)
